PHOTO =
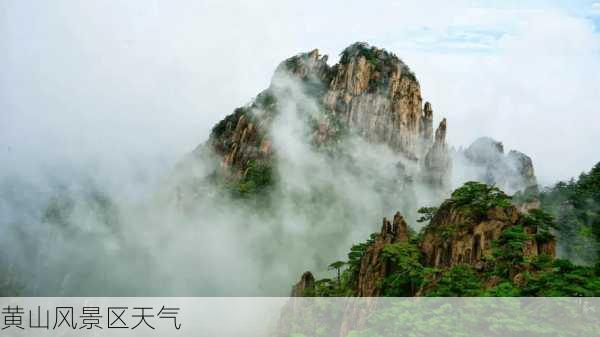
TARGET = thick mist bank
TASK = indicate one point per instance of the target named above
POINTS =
(93, 231)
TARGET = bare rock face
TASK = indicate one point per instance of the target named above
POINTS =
(370, 92)
(372, 268)
(377, 95)
(453, 237)
(242, 137)
(486, 161)
(523, 165)
(437, 162)
(305, 285)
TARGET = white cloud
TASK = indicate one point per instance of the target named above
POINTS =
(124, 89)
(536, 92)
(151, 80)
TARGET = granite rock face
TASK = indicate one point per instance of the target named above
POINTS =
(485, 160)
(437, 161)
(454, 237)
(377, 95)
(372, 267)
(373, 94)
(370, 92)
(307, 282)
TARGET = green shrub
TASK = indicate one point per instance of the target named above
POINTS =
(477, 198)
(258, 177)
(406, 270)
(563, 279)
(460, 280)
(509, 246)
(576, 206)
(427, 213)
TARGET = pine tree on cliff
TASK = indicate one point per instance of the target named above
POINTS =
(337, 265)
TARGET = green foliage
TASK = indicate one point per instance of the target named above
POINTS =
(354, 257)
(382, 61)
(294, 63)
(480, 317)
(427, 213)
(258, 177)
(406, 270)
(542, 222)
(537, 218)
(477, 199)
(503, 289)
(496, 274)
(228, 123)
(460, 280)
(360, 49)
(265, 100)
(509, 246)
(337, 265)
(563, 279)
(576, 206)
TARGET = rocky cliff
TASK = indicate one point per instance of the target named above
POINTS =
(370, 93)
(476, 243)
(370, 97)
(485, 160)
(456, 236)
(373, 267)
(477, 229)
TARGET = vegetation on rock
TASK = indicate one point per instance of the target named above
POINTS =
(382, 61)
(476, 199)
(576, 206)
(509, 271)
(257, 178)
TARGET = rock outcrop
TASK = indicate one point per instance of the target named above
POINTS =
(476, 227)
(377, 95)
(304, 286)
(454, 237)
(437, 161)
(484, 160)
(370, 92)
(241, 137)
(372, 267)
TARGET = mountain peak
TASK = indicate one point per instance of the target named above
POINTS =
(370, 92)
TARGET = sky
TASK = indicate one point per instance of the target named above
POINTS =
(133, 86)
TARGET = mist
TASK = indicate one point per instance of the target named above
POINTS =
(100, 102)
(187, 237)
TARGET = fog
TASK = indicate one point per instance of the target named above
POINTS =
(99, 102)
(85, 236)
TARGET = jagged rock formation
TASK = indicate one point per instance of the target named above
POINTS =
(370, 92)
(454, 237)
(241, 137)
(484, 160)
(307, 282)
(477, 227)
(437, 160)
(372, 267)
(376, 94)
(373, 94)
